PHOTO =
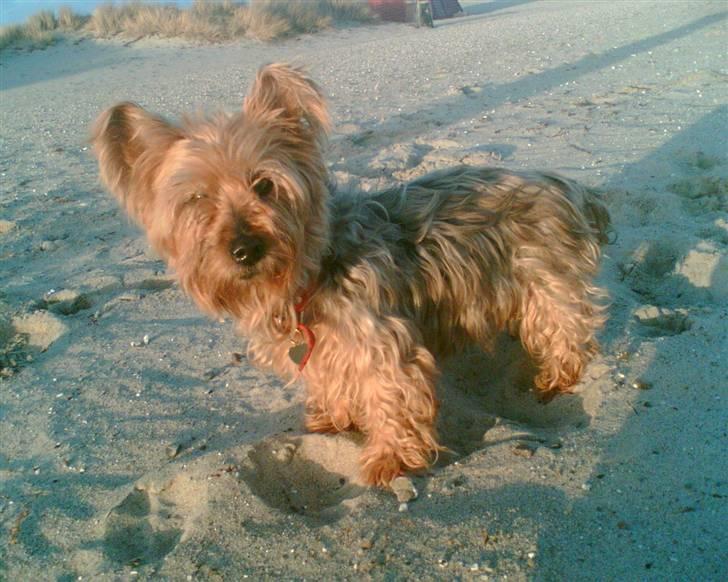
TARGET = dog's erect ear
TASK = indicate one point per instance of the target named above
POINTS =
(130, 145)
(284, 90)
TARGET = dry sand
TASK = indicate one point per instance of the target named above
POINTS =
(136, 443)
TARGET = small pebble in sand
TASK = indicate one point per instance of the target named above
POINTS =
(172, 450)
(640, 384)
(138, 344)
(404, 489)
(524, 450)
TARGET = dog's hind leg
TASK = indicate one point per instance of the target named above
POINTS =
(558, 319)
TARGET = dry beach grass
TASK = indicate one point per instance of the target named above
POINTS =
(205, 20)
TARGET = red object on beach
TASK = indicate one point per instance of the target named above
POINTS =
(392, 10)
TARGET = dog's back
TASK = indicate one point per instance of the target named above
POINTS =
(504, 190)
(459, 249)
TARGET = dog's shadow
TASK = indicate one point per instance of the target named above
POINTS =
(479, 390)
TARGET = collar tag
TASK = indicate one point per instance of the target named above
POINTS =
(302, 343)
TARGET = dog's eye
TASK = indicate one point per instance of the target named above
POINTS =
(263, 187)
(198, 195)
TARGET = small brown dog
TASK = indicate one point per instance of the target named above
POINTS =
(357, 293)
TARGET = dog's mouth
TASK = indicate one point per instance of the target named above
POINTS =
(274, 270)
(269, 267)
(247, 273)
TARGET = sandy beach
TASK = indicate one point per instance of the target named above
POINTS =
(136, 441)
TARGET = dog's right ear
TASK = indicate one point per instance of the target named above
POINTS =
(285, 92)
(130, 145)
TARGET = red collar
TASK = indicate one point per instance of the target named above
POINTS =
(306, 333)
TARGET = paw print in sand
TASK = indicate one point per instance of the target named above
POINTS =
(150, 521)
(660, 321)
(311, 475)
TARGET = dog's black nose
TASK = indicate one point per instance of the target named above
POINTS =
(247, 250)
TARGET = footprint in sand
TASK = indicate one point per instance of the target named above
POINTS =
(649, 267)
(659, 321)
(398, 157)
(66, 302)
(24, 336)
(703, 194)
(312, 475)
(12, 345)
(705, 188)
(481, 390)
(40, 328)
(150, 521)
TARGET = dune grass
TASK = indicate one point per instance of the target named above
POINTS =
(205, 20)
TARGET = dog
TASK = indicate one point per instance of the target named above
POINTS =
(358, 294)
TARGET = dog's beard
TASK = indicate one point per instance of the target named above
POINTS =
(275, 270)
(220, 285)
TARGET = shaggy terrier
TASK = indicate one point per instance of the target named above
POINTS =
(358, 294)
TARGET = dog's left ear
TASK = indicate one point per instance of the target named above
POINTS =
(131, 145)
(286, 91)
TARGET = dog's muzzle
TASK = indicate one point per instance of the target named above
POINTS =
(247, 250)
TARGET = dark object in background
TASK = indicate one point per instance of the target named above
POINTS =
(415, 10)
(424, 15)
(445, 8)
(390, 10)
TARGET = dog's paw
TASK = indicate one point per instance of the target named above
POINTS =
(379, 468)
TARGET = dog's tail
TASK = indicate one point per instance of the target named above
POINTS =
(598, 216)
(589, 202)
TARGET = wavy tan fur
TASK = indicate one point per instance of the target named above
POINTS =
(397, 278)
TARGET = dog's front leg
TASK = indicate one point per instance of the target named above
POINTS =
(396, 402)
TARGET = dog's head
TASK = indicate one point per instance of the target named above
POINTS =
(236, 204)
